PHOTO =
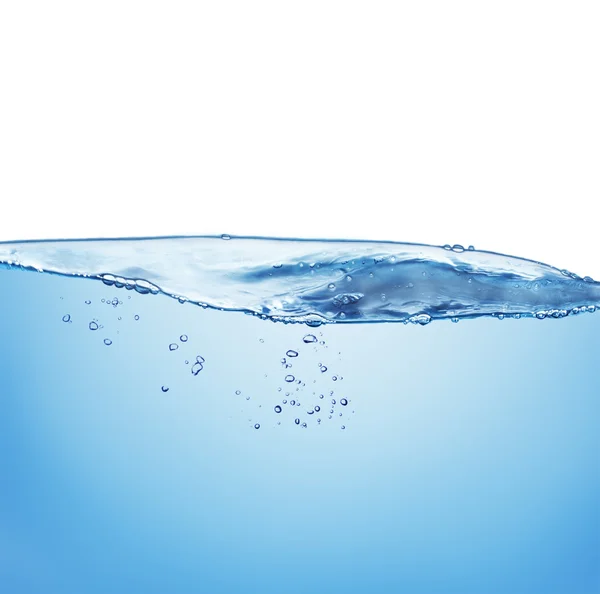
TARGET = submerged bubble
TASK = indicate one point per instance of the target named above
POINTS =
(289, 378)
(165, 388)
(107, 341)
(173, 346)
(257, 426)
(291, 353)
(66, 318)
(136, 317)
(238, 392)
(297, 421)
(93, 326)
(87, 301)
(309, 338)
(278, 409)
(183, 338)
(343, 402)
(198, 366)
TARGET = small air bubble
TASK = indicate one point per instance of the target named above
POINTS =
(309, 338)
(66, 318)
(331, 287)
(343, 426)
(107, 341)
(297, 421)
(183, 338)
(278, 409)
(278, 265)
(93, 326)
(238, 392)
(87, 301)
(291, 353)
(458, 248)
(335, 378)
(317, 408)
(165, 388)
(343, 402)
(136, 317)
(289, 378)
(173, 346)
(225, 236)
(198, 365)
(292, 403)
(257, 426)
(323, 369)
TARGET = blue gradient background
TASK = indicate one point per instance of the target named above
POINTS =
(471, 462)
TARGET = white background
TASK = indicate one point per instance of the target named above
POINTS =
(439, 122)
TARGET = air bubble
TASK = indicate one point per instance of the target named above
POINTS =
(93, 326)
(136, 318)
(343, 402)
(331, 287)
(198, 365)
(458, 248)
(107, 341)
(291, 353)
(309, 338)
(297, 421)
(323, 369)
(317, 408)
(257, 426)
(289, 378)
(165, 388)
(66, 318)
(87, 301)
(183, 338)
(277, 409)
(225, 236)
(238, 392)
(173, 346)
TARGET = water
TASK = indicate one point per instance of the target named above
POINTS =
(443, 457)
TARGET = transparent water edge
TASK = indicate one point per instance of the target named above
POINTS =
(320, 281)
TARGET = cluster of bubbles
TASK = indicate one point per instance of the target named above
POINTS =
(314, 408)
(198, 364)
(94, 325)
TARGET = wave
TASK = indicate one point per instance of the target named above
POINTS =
(318, 281)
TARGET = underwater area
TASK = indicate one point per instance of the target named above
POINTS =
(231, 415)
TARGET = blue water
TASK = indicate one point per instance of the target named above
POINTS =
(151, 445)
